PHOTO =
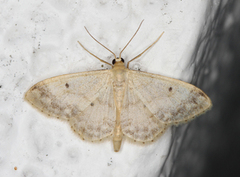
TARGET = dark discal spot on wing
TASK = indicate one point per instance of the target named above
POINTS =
(92, 104)
(66, 85)
(170, 89)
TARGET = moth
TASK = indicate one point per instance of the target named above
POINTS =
(118, 101)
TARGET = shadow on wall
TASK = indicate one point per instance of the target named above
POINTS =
(209, 146)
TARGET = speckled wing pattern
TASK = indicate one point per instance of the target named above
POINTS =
(154, 102)
(84, 99)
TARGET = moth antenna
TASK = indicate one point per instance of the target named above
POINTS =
(130, 39)
(145, 50)
(94, 55)
(100, 42)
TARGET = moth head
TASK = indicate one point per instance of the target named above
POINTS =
(118, 60)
